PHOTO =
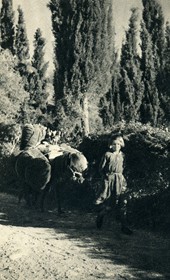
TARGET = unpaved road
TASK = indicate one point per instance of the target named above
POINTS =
(38, 246)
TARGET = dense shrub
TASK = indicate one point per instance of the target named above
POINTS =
(9, 140)
(146, 167)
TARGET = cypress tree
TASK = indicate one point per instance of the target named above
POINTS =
(83, 34)
(110, 105)
(7, 25)
(116, 97)
(150, 103)
(167, 48)
(165, 96)
(0, 33)
(38, 55)
(21, 40)
(37, 80)
(154, 22)
(131, 87)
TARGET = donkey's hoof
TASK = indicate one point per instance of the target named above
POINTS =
(126, 230)
(99, 222)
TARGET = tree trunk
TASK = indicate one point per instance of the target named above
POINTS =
(85, 116)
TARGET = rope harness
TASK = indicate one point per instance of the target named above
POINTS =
(75, 174)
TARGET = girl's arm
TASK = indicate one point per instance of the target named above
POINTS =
(103, 164)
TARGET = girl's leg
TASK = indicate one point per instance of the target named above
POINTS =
(123, 214)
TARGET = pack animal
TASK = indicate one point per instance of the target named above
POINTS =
(68, 166)
(38, 172)
(32, 168)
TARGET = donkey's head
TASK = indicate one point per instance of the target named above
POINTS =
(78, 166)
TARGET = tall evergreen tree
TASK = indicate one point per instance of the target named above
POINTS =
(167, 48)
(154, 24)
(154, 21)
(38, 55)
(150, 104)
(21, 40)
(165, 96)
(131, 87)
(7, 25)
(110, 105)
(116, 97)
(0, 33)
(83, 32)
(37, 79)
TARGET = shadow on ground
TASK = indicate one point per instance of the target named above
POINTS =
(144, 254)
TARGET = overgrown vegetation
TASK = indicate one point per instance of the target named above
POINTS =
(147, 161)
(96, 93)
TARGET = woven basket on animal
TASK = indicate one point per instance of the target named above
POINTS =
(32, 135)
(33, 172)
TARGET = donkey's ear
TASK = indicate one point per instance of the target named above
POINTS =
(69, 159)
(75, 158)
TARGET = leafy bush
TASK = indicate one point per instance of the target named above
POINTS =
(9, 140)
(146, 167)
(12, 90)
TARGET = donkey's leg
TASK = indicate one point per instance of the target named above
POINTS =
(24, 192)
(35, 195)
(58, 197)
(20, 195)
(123, 200)
(57, 194)
(28, 195)
(21, 190)
(43, 196)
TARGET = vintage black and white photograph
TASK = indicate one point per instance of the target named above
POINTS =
(84, 139)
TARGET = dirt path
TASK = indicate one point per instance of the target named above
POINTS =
(37, 246)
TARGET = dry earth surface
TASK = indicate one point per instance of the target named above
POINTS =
(38, 246)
